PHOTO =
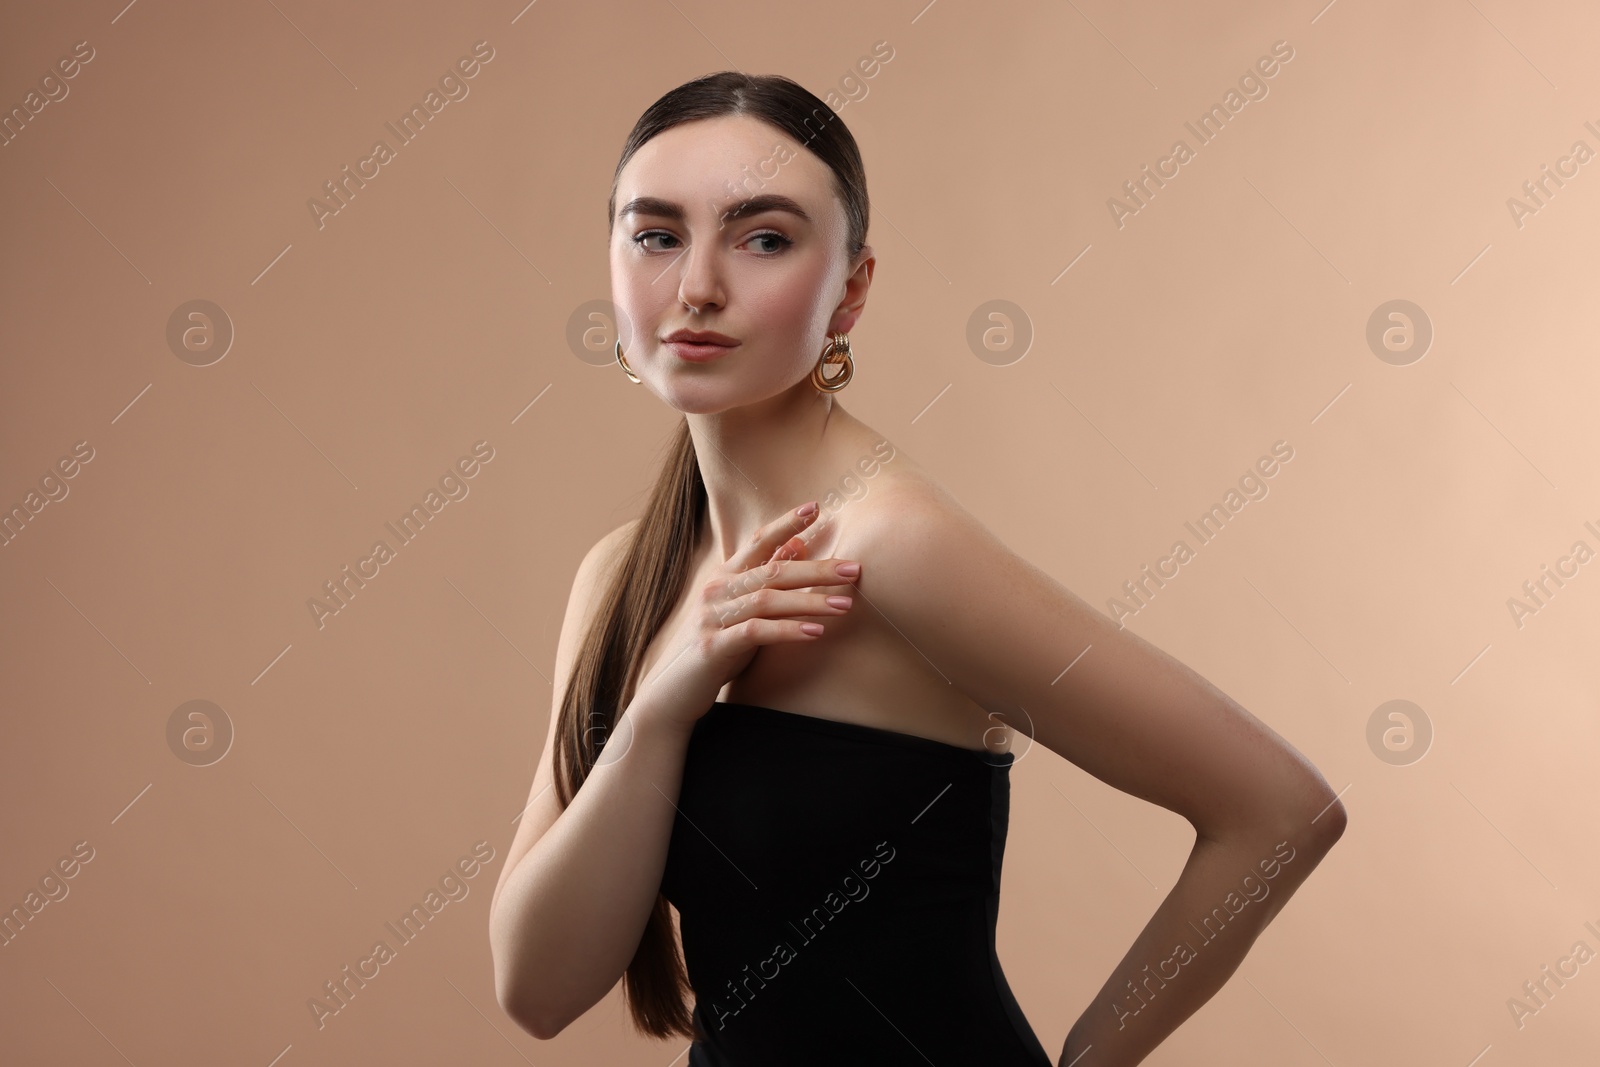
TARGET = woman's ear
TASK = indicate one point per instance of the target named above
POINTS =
(855, 292)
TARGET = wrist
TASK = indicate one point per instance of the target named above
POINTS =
(670, 717)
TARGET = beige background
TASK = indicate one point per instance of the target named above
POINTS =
(369, 355)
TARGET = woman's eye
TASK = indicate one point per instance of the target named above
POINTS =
(780, 242)
(768, 244)
(653, 235)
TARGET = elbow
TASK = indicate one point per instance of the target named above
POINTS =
(1317, 816)
(521, 1004)
(535, 1025)
(1310, 818)
(1333, 819)
(1329, 822)
(1318, 822)
(540, 1024)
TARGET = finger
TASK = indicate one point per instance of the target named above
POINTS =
(794, 548)
(792, 574)
(780, 604)
(785, 574)
(755, 632)
(759, 549)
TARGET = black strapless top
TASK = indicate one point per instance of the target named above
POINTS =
(837, 888)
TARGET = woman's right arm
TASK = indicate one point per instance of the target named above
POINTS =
(570, 914)
(579, 884)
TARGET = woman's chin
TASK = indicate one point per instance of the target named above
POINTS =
(712, 395)
(703, 397)
(699, 400)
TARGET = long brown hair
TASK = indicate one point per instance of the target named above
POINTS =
(656, 563)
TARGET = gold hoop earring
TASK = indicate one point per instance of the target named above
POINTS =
(837, 350)
(624, 363)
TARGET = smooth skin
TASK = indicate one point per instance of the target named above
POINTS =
(948, 632)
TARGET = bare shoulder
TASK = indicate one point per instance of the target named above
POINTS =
(607, 550)
(595, 571)
(901, 502)
(617, 537)
(924, 554)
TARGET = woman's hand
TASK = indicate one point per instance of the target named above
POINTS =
(751, 601)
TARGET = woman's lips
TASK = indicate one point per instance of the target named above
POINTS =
(699, 353)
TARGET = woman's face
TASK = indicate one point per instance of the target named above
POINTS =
(686, 256)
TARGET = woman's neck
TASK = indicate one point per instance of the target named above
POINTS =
(764, 459)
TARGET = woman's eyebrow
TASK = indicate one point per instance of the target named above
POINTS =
(755, 205)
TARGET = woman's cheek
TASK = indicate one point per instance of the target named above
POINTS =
(789, 299)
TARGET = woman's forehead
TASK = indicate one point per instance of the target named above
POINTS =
(724, 160)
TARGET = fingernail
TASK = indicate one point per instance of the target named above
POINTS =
(807, 509)
(838, 602)
(850, 570)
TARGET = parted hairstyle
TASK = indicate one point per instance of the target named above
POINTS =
(656, 561)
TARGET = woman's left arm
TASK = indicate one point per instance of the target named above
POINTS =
(1003, 632)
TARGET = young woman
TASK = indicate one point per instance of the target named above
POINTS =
(790, 724)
